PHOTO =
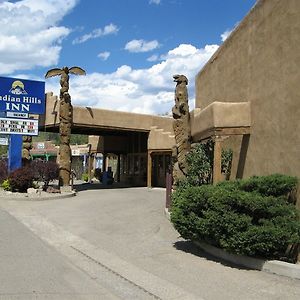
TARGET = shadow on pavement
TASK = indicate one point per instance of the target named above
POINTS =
(190, 247)
(98, 186)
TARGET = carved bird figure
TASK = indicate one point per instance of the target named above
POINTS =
(65, 70)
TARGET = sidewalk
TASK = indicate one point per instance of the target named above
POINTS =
(31, 269)
(125, 231)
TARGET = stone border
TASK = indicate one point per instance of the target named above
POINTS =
(38, 198)
(270, 266)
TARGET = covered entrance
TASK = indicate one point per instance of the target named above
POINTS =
(124, 139)
(161, 164)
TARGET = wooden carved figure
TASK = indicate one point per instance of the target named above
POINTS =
(182, 128)
(65, 121)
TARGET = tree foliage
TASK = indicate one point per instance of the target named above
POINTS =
(45, 171)
(200, 163)
(76, 139)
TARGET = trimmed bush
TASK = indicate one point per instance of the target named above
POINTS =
(45, 171)
(273, 185)
(21, 179)
(252, 221)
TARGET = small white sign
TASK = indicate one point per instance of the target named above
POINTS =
(41, 145)
(10, 114)
(75, 152)
(19, 126)
(3, 141)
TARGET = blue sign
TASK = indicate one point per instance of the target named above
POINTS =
(15, 152)
(22, 96)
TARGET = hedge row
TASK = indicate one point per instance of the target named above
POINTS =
(252, 217)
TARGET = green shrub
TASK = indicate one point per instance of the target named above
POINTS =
(273, 185)
(247, 222)
(226, 162)
(85, 177)
(5, 185)
(21, 179)
(200, 163)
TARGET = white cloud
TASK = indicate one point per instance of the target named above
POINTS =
(141, 46)
(29, 35)
(98, 32)
(139, 90)
(153, 57)
(227, 32)
(104, 55)
(154, 1)
(225, 35)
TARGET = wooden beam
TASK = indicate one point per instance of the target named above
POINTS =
(220, 131)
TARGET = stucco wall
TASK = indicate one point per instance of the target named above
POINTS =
(260, 63)
(87, 117)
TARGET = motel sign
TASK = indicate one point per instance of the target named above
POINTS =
(19, 98)
(22, 96)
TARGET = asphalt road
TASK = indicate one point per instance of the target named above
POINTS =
(120, 241)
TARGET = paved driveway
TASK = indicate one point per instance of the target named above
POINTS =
(124, 232)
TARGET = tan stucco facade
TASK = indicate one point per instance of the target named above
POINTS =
(93, 121)
(247, 98)
(133, 138)
(97, 119)
(259, 64)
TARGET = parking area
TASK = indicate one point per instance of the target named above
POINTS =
(128, 226)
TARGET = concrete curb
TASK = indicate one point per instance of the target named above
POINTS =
(39, 198)
(167, 214)
(270, 266)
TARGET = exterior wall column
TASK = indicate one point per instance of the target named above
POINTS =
(90, 166)
(217, 175)
(104, 163)
(119, 168)
(149, 170)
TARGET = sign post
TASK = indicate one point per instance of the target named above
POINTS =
(15, 152)
(19, 98)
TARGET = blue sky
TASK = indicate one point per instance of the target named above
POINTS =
(130, 49)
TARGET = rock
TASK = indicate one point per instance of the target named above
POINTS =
(66, 189)
(51, 189)
(32, 191)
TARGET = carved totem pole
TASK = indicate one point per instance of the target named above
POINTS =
(65, 121)
(182, 128)
(26, 147)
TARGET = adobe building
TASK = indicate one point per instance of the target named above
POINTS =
(247, 98)
(48, 151)
(44, 150)
(258, 69)
(141, 143)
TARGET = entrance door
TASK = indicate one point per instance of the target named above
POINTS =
(160, 166)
